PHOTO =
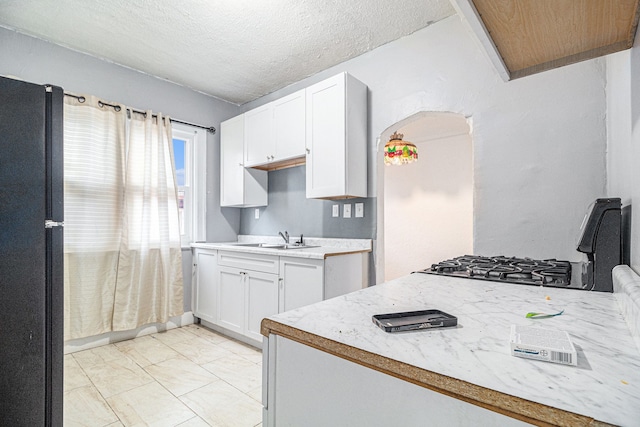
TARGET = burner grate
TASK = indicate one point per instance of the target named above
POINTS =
(548, 272)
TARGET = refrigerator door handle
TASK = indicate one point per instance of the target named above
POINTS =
(50, 224)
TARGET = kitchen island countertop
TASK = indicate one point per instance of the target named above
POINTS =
(472, 361)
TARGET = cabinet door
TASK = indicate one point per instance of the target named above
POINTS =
(231, 298)
(261, 301)
(337, 138)
(239, 186)
(302, 282)
(231, 162)
(326, 137)
(258, 136)
(289, 126)
(205, 289)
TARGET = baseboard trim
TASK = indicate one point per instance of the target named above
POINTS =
(87, 343)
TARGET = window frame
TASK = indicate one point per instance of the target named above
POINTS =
(195, 159)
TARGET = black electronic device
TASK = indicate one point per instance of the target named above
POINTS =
(414, 320)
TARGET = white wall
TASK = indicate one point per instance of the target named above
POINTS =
(539, 142)
(623, 137)
(428, 204)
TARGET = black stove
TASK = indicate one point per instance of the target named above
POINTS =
(525, 271)
(600, 239)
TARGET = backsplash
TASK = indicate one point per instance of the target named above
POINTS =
(289, 209)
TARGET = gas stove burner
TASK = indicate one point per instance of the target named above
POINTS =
(548, 272)
(491, 270)
(556, 275)
(448, 266)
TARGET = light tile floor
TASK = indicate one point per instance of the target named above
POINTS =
(188, 377)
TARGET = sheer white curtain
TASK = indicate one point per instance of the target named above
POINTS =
(122, 248)
(94, 167)
(149, 285)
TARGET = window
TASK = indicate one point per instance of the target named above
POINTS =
(189, 150)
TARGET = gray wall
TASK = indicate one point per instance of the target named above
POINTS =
(289, 209)
(41, 62)
(38, 61)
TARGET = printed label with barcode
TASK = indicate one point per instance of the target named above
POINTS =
(560, 357)
(542, 344)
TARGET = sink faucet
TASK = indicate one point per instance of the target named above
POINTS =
(285, 236)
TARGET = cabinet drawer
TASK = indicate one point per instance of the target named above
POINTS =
(247, 261)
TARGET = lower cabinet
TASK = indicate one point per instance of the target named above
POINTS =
(234, 291)
(204, 301)
(245, 298)
(302, 282)
(261, 300)
(230, 300)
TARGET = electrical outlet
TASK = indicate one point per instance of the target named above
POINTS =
(346, 213)
(257, 213)
(336, 211)
(359, 210)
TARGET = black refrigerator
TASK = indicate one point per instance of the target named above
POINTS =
(31, 254)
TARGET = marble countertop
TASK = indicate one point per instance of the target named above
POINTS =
(319, 248)
(472, 361)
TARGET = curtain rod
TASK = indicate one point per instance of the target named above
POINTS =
(82, 99)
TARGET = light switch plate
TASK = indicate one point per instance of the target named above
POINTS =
(359, 210)
(336, 211)
(346, 213)
(257, 213)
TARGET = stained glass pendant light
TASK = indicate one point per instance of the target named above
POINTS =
(399, 152)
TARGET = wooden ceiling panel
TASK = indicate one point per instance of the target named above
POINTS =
(537, 35)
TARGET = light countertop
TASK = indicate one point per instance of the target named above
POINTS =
(472, 361)
(320, 248)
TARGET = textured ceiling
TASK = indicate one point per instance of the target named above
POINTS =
(236, 50)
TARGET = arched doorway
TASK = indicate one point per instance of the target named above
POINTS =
(426, 206)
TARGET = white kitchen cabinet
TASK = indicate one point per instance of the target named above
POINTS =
(231, 285)
(248, 292)
(274, 134)
(289, 126)
(336, 127)
(234, 291)
(205, 288)
(261, 301)
(259, 144)
(246, 297)
(302, 282)
(239, 186)
(307, 281)
(355, 394)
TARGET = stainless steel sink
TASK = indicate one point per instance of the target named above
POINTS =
(294, 246)
(274, 245)
(260, 245)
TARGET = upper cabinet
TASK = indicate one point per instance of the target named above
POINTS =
(289, 126)
(275, 133)
(324, 126)
(239, 186)
(336, 127)
(258, 138)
